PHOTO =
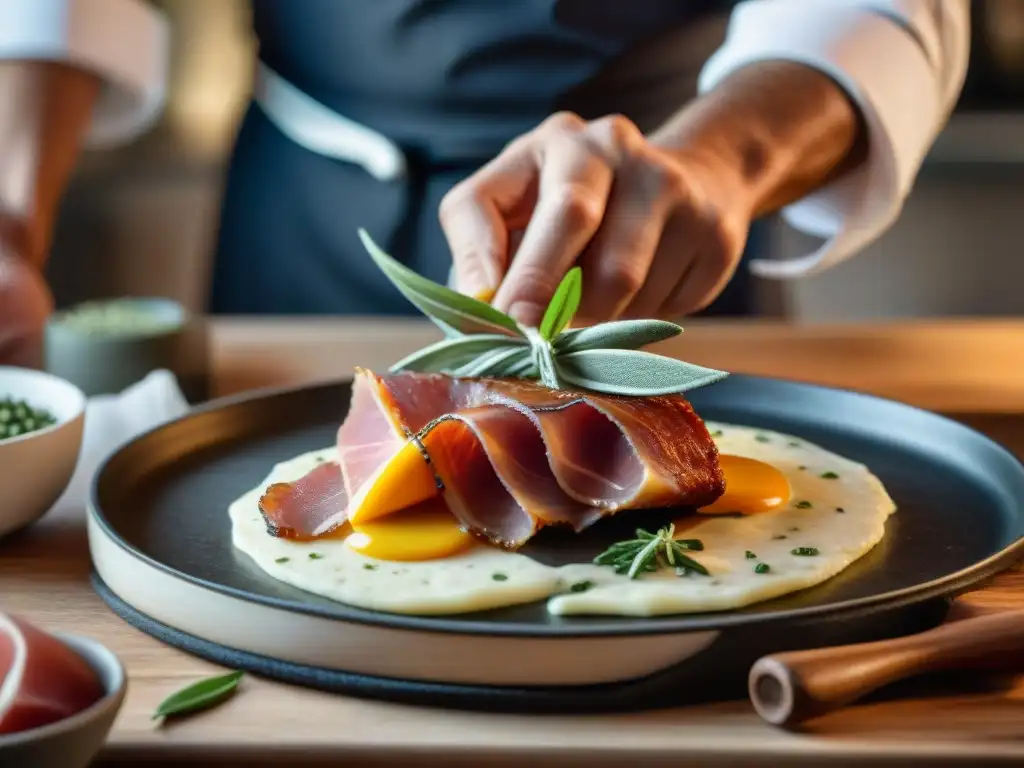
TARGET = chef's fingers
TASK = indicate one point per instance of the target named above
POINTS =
(480, 213)
(616, 265)
(621, 273)
(577, 165)
(714, 264)
(667, 266)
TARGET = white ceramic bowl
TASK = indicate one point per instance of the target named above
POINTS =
(35, 468)
(74, 741)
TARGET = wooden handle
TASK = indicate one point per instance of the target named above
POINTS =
(789, 688)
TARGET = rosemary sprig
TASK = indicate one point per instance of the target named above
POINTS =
(481, 341)
(650, 551)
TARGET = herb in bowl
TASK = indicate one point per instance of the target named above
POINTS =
(17, 418)
(122, 317)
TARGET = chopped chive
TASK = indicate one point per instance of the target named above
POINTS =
(804, 504)
(762, 568)
(369, 567)
(499, 577)
(762, 438)
(717, 433)
(581, 586)
(282, 560)
(829, 476)
(805, 551)
(315, 556)
(750, 555)
(794, 444)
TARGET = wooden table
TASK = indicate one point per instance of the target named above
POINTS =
(974, 369)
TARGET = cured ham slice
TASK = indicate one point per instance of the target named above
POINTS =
(41, 679)
(528, 456)
(513, 456)
(312, 506)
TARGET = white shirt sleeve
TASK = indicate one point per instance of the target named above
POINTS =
(125, 42)
(903, 63)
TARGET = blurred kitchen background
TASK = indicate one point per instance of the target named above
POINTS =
(141, 220)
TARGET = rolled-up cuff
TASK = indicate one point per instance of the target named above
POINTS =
(124, 42)
(886, 73)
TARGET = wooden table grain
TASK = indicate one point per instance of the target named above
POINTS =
(973, 369)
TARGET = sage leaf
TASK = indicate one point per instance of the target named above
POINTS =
(617, 334)
(633, 373)
(202, 695)
(563, 306)
(523, 368)
(493, 362)
(447, 308)
(452, 353)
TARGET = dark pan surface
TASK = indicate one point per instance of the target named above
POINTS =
(960, 499)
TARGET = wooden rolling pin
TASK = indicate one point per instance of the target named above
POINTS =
(790, 688)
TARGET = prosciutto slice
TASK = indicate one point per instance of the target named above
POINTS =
(515, 456)
(312, 506)
(41, 679)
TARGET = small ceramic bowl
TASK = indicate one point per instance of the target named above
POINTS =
(74, 741)
(105, 346)
(36, 467)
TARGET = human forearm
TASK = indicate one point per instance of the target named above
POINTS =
(45, 109)
(73, 73)
(901, 62)
(778, 130)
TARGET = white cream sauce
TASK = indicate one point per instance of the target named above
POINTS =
(483, 577)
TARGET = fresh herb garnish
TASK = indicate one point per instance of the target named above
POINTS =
(369, 567)
(717, 433)
(762, 438)
(563, 306)
(829, 476)
(694, 545)
(581, 586)
(794, 444)
(762, 568)
(202, 695)
(804, 504)
(481, 341)
(750, 555)
(805, 551)
(315, 556)
(18, 418)
(499, 577)
(282, 560)
(649, 552)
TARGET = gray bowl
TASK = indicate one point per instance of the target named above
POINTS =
(74, 741)
(102, 362)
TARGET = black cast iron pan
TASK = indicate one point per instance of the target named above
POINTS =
(159, 513)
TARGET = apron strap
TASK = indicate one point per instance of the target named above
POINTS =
(320, 129)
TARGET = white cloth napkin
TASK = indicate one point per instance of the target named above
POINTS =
(112, 420)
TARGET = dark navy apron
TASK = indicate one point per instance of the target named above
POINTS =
(450, 82)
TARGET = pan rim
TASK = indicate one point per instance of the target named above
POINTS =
(947, 585)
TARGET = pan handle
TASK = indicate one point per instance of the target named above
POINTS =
(790, 688)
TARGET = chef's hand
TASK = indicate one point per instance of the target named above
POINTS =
(657, 233)
(25, 303)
